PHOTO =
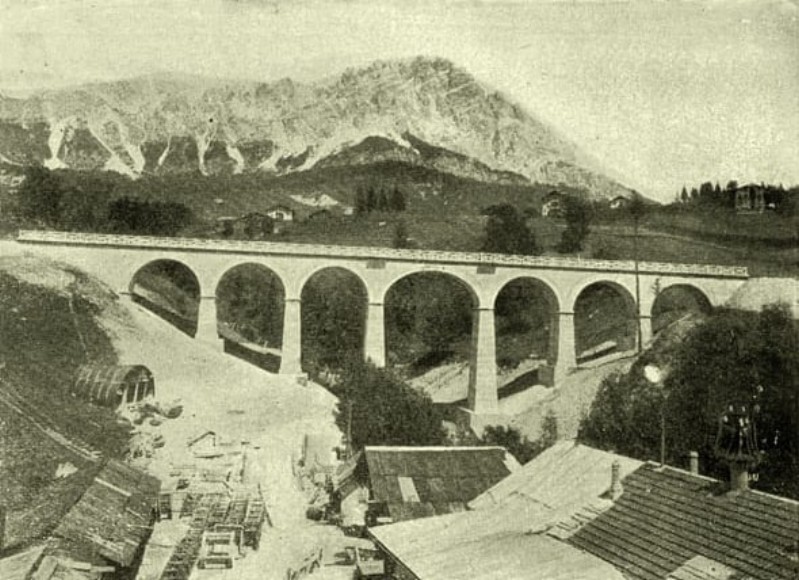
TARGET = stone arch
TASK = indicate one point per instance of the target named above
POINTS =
(302, 282)
(401, 316)
(169, 288)
(526, 334)
(333, 317)
(673, 301)
(250, 298)
(605, 320)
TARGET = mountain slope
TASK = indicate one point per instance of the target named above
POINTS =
(432, 111)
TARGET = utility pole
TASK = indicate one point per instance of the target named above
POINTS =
(636, 210)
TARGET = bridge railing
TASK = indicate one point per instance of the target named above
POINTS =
(238, 246)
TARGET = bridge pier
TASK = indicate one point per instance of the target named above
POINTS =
(483, 368)
(566, 358)
(207, 330)
(645, 321)
(375, 341)
(291, 355)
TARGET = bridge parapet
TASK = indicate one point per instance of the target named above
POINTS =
(281, 248)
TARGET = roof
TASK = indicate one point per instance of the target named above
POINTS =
(565, 474)
(104, 384)
(669, 523)
(504, 556)
(495, 537)
(423, 481)
(18, 566)
(113, 516)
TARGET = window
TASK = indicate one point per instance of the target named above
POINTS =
(408, 490)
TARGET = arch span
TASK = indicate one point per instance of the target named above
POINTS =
(526, 318)
(605, 320)
(676, 300)
(428, 317)
(250, 301)
(170, 289)
(333, 317)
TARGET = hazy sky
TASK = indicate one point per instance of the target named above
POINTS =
(662, 92)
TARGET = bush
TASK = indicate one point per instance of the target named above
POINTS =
(376, 407)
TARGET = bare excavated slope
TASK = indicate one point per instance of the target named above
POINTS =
(433, 112)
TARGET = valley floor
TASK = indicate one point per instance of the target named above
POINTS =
(240, 403)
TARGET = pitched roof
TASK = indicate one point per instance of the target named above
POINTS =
(666, 518)
(495, 537)
(113, 516)
(423, 481)
(19, 566)
(565, 474)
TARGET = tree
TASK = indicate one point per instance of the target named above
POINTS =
(400, 239)
(376, 407)
(684, 195)
(578, 225)
(39, 196)
(694, 194)
(397, 200)
(360, 201)
(508, 233)
(520, 447)
(734, 357)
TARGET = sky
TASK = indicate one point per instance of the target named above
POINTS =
(661, 93)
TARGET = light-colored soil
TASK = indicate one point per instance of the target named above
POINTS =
(241, 403)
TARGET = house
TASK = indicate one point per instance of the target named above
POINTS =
(251, 226)
(403, 483)
(553, 205)
(619, 202)
(493, 541)
(750, 198)
(577, 512)
(281, 213)
(113, 386)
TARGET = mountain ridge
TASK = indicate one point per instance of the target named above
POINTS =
(160, 123)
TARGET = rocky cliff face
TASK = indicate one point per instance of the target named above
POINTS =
(425, 111)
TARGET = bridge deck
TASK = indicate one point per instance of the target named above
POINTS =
(388, 254)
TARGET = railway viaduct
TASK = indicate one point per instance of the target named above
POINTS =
(117, 259)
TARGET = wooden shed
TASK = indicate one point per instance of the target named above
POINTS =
(113, 385)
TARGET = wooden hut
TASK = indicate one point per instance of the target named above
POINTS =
(113, 385)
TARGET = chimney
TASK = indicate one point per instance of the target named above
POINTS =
(615, 481)
(693, 462)
(739, 476)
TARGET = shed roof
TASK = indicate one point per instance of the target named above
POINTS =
(423, 481)
(113, 516)
(667, 517)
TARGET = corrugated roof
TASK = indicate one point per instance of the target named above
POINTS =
(444, 478)
(113, 516)
(666, 517)
(19, 566)
(495, 537)
(107, 384)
